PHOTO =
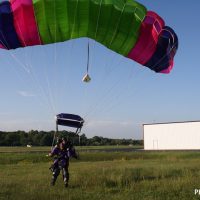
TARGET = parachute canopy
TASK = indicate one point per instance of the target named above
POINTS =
(124, 26)
(71, 120)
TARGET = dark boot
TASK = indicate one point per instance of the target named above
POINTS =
(53, 181)
(56, 172)
(66, 184)
(65, 176)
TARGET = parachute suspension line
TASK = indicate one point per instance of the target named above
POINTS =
(55, 96)
(24, 67)
(4, 40)
(117, 26)
(88, 56)
(105, 94)
(117, 97)
(49, 90)
(112, 39)
(55, 22)
(50, 95)
(33, 77)
(111, 106)
(74, 20)
(22, 64)
(97, 26)
(15, 57)
(67, 83)
(54, 136)
(142, 72)
(102, 98)
(95, 36)
(28, 64)
(107, 101)
(47, 94)
(12, 55)
(101, 102)
(135, 11)
(73, 25)
(35, 80)
(87, 78)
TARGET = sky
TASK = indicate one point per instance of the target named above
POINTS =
(39, 82)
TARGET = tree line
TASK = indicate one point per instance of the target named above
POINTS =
(44, 138)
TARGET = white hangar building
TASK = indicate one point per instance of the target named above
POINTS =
(172, 136)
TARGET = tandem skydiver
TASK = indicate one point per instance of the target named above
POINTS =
(61, 153)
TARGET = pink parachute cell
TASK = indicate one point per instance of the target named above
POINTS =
(25, 23)
(2, 47)
(147, 41)
(168, 70)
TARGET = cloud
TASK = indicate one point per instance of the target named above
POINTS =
(25, 94)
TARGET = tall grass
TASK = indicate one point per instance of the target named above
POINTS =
(113, 176)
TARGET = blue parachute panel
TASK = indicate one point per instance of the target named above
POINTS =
(165, 50)
(8, 35)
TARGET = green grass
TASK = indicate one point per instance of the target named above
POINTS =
(103, 175)
(80, 148)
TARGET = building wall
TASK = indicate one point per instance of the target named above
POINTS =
(169, 136)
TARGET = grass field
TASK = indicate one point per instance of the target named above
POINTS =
(101, 175)
(79, 148)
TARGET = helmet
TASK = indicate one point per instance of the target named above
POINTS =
(58, 141)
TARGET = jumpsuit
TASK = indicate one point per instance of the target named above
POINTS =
(61, 163)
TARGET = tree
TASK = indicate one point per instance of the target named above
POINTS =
(12, 139)
(46, 140)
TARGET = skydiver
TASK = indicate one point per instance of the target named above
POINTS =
(69, 148)
(61, 153)
(61, 162)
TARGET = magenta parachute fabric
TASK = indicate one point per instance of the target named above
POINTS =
(143, 33)
(2, 47)
(25, 23)
(148, 39)
(162, 59)
(170, 67)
